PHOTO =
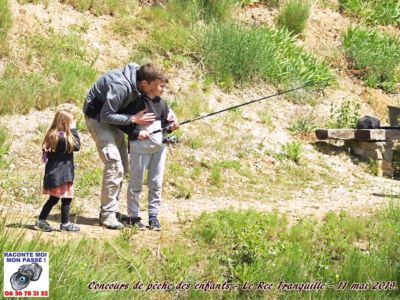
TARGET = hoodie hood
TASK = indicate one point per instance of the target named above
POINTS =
(129, 73)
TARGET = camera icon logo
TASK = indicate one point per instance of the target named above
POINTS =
(26, 273)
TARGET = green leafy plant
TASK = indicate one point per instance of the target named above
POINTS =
(291, 151)
(344, 116)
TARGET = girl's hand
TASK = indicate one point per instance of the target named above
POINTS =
(143, 135)
(73, 124)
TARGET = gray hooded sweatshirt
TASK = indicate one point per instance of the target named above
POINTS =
(114, 90)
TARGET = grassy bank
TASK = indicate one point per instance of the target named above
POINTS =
(232, 247)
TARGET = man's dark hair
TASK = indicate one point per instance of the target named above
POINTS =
(149, 73)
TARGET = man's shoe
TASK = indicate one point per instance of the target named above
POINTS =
(154, 224)
(110, 222)
(120, 217)
(69, 227)
(135, 222)
(42, 225)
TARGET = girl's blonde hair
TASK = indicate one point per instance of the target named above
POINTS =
(62, 122)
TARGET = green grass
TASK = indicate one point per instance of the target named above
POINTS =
(5, 25)
(238, 54)
(208, 10)
(294, 14)
(124, 26)
(374, 56)
(87, 180)
(104, 7)
(228, 246)
(220, 10)
(189, 104)
(45, 2)
(65, 75)
(4, 143)
(171, 30)
(383, 12)
(256, 247)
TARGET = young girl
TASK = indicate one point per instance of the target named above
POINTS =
(61, 140)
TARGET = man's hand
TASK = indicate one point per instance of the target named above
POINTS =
(173, 119)
(143, 135)
(143, 118)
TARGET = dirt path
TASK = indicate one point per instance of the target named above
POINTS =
(178, 213)
(360, 194)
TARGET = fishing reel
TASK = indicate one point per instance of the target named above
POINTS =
(172, 139)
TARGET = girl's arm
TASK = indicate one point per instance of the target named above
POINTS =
(74, 132)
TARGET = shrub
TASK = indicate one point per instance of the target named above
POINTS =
(294, 14)
(374, 56)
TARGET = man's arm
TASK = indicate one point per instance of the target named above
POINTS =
(116, 96)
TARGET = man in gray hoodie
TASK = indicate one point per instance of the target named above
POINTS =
(111, 93)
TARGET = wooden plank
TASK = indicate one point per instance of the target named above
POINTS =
(358, 134)
(336, 134)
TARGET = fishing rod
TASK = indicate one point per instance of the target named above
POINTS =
(235, 106)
